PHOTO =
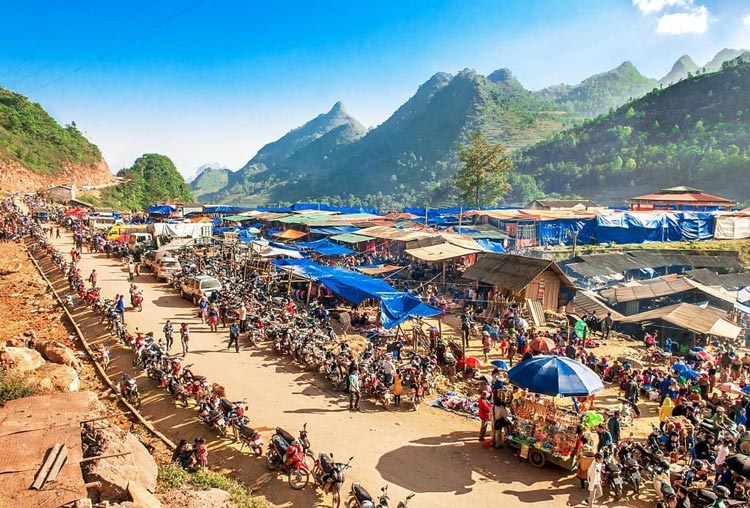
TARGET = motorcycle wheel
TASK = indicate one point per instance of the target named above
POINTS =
(310, 459)
(258, 450)
(270, 464)
(617, 491)
(636, 487)
(351, 503)
(298, 478)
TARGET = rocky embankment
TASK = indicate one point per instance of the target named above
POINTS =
(14, 177)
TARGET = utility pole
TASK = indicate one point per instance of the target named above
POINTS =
(575, 242)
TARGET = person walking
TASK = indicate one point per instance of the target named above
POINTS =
(614, 427)
(354, 387)
(485, 414)
(594, 477)
(131, 270)
(607, 324)
(486, 345)
(92, 278)
(242, 311)
(213, 317)
(203, 308)
(398, 389)
(57, 233)
(168, 334)
(234, 337)
(137, 268)
(185, 338)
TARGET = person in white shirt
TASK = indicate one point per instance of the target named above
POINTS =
(722, 451)
(594, 477)
(389, 369)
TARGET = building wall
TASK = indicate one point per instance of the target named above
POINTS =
(545, 288)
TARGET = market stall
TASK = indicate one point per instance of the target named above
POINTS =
(541, 430)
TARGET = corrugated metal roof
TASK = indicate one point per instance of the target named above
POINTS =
(690, 317)
(648, 289)
(510, 271)
(440, 252)
(729, 281)
(611, 263)
(588, 301)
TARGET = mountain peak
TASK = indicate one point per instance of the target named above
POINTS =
(501, 76)
(723, 56)
(680, 70)
(337, 109)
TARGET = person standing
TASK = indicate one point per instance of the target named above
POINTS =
(242, 311)
(354, 387)
(486, 345)
(485, 414)
(203, 306)
(234, 337)
(213, 317)
(607, 324)
(201, 453)
(594, 477)
(131, 270)
(120, 307)
(57, 233)
(398, 389)
(168, 334)
(185, 338)
(613, 425)
(92, 278)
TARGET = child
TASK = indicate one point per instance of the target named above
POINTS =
(486, 345)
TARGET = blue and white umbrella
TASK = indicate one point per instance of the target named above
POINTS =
(556, 376)
(500, 364)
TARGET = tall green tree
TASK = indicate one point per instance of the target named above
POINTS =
(483, 180)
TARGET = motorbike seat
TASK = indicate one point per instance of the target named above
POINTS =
(706, 496)
(280, 445)
(247, 431)
(360, 493)
(631, 462)
(286, 436)
(226, 405)
(326, 463)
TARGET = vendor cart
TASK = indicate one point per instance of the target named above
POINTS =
(543, 433)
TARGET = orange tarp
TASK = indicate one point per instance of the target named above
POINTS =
(290, 234)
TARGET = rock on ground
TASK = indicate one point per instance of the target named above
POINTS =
(53, 377)
(57, 352)
(115, 473)
(20, 359)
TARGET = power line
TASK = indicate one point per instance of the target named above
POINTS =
(122, 45)
(14, 67)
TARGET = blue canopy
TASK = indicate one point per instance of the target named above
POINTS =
(395, 306)
(334, 230)
(326, 247)
(555, 375)
(161, 209)
(490, 246)
(226, 209)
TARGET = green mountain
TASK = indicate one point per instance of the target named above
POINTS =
(209, 179)
(695, 133)
(411, 157)
(600, 93)
(153, 178)
(273, 153)
(722, 56)
(683, 67)
(31, 137)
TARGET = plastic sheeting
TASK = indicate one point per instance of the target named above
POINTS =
(731, 228)
(690, 226)
(654, 227)
(395, 307)
(490, 246)
(326, 248)
(561, 231)
(226, 209)
(161, 209)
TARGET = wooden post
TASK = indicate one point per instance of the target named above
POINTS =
(309, 290)
(443, 278)
(289, 283)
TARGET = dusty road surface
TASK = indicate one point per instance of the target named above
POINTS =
(431, 453)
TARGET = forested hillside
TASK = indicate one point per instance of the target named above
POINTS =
(696, 132)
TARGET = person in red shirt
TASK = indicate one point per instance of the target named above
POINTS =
(485, 414)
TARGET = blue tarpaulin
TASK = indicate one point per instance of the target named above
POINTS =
(325, 247)
(490, 246)
(283, 246)
(395, 306)
(161, 209)
(690, 226)
(334, 230)
(560, 231)
(226, 209)
(632, 228)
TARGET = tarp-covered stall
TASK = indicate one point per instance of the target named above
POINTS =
(730, 227)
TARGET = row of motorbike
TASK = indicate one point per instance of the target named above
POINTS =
(288, 454)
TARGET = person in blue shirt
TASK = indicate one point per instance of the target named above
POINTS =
(741, 417)
(668, 345)
(521, 342)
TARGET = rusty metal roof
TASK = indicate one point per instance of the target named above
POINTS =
(646, 290)
(29, 427)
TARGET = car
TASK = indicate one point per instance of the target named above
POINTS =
(154, 257)
(195, 286)
(165, 267)
(148, 258)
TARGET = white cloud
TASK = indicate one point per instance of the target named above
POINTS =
(653, 6)
(693, 21)
(746, 20)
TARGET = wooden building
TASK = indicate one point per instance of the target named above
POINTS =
(681, 198)
(522, 277)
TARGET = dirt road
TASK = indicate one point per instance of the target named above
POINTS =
(432, 453)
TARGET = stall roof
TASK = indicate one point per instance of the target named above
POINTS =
(646, 290)
(440, 252)
(707, 321)
(351, 238)
(589, 302)
(511, 271)
(389, 233)
(238, 218)
(611, 263)
(290, 234)
(731, 281)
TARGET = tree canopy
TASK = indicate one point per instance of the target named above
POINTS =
(483, 179)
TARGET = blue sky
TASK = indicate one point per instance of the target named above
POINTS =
(212, 81)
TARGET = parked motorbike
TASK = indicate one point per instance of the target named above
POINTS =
(360, 498)
(250, 437)
(129, 391)
(287, 454)
(330, 476)
(214, 420)
(613, 478)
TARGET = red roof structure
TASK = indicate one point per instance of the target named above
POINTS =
(680, 198)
